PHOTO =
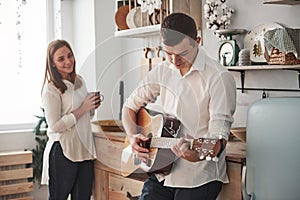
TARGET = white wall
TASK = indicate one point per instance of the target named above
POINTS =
(22, 140)
(78, 27)
(249, 14)
(114, 55)
(108, 68)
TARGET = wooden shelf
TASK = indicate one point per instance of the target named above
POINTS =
(264, 67)
(282, 2)
(242, 70)
(141, 32)
(193, 8)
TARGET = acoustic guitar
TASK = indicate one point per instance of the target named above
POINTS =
(163, 132)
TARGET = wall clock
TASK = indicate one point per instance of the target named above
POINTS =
(228, 48)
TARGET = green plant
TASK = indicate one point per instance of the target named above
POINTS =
(41, 138)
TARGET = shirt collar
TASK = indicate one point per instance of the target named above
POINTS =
(199, 62)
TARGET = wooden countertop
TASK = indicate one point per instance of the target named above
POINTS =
(235, 150)
(113, 136)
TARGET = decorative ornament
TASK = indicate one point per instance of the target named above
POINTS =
(218, 14)
(149, 5)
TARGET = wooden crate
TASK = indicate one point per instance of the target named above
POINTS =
(15, 171)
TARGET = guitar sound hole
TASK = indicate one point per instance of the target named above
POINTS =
(146, 144)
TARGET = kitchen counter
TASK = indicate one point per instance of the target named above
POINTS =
(110, 184)
(235, 150)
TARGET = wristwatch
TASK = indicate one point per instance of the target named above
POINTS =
(223, 145)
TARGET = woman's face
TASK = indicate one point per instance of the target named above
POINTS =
(63, 60)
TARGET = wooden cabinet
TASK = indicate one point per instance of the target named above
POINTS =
(111, 185)
(235, 159)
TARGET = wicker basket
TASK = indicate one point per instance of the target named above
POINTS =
(279, 58)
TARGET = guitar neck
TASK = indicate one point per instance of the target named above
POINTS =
(163, 142)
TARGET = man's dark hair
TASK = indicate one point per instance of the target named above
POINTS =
(175, 27)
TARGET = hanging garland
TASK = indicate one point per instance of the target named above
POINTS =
(19, 31)
(218, 14)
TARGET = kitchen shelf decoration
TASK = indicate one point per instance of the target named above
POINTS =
(254, 41)
(284, 45)
(218, 14)
(228, 47)
(143, 17)
(140, 13)
(149, 6)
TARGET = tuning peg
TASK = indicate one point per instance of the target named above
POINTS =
(208, 158)
(201, 156)
(214, 141)
(215, 159)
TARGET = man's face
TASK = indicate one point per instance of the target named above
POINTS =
(181, 55)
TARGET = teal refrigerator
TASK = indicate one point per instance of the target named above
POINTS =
(272, 170)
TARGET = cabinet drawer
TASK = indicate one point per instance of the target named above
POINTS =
(119, 186)
(109, 152)
(233, 189)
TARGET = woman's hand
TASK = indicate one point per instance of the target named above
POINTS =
(97, 101)
(89, 104)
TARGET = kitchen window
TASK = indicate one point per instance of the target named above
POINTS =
(23, 39)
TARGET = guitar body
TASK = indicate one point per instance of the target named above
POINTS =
(162, 132)
(153, 125)
(162, 159)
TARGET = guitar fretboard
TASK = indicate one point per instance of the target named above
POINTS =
(163, 142)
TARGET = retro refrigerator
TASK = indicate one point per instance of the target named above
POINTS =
(272, 170)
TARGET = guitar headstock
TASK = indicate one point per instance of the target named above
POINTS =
(207, 148)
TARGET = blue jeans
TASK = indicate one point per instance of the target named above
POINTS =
(67, 177)
(154, 190)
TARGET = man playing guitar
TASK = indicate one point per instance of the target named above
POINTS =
(201, 94)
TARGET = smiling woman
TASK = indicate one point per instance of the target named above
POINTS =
(22, 50)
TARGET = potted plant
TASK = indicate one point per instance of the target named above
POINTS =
(41, 138)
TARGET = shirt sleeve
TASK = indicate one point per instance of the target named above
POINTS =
(57, 122)
(147, 92)
(222, 105)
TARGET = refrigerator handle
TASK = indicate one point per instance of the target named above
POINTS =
(245, 194)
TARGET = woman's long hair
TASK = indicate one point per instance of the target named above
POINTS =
(51, 73)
